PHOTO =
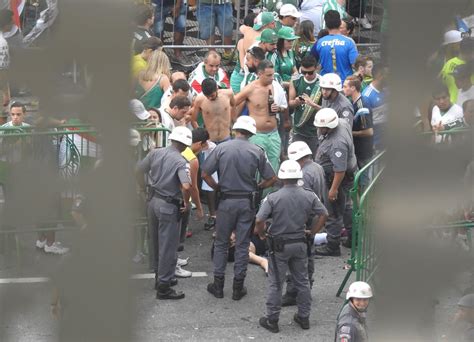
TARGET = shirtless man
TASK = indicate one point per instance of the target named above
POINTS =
(218, 110)
(258, 95)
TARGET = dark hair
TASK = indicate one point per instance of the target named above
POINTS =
(378, 69)
(200, 135)
(265, 64)
(440, 88)
(308, 61)
(208, 86)
(361, 61)
(332, 19)
(143, 13)
(6, 17)
(466, 103)
(180, 102)
(306, 31)
(467, 45)
(280, 45)
(153, 43)
(323, 33)
(354, 81)
(257, 53)
(18, 105)
(250, 19)
(350, 25)
(180, 85)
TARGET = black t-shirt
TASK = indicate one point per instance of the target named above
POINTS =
(364, 146)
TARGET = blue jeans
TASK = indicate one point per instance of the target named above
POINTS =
(163, 11)
(210, 14)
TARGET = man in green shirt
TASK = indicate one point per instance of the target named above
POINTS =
(304, 98)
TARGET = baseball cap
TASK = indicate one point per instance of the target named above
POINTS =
(462, 71)
(287, 33)
(263, 19)
(451, 37)
(137, 108)
(268, 36)
(289, 10)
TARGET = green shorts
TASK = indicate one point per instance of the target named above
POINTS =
(271, 143)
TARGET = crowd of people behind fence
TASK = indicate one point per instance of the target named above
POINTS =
(271, 148)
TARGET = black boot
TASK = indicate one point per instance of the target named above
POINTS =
(239, 290)
(288, 299)
(173, 282)
(303, 322)
(331, 249)
(166, 292)
(217, 287)
(269, 325)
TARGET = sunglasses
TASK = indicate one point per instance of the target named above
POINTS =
(307, 72)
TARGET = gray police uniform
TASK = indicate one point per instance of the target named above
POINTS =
(336, 154)
(290, 208)
(167, 171)
(351, 326)
(343, 107)
(237, 162)
(313, 180)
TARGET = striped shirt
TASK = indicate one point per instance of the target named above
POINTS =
(335, 6)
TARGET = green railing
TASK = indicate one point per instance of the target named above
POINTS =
(75, 148)
(363, 260)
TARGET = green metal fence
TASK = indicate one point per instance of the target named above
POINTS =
(363, 260)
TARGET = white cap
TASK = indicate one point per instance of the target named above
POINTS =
(246, 123)
(331, 81)
(326, 117)
(298, 150)
(289, 10)
(183, 135)
(290, 169)
(452, 37)
(134, 137)
(137, 108)
(359, 289)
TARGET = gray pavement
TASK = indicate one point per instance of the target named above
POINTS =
(198, 317)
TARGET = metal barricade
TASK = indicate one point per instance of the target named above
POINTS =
(363, 260)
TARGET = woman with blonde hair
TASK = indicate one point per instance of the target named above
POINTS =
(154, 80)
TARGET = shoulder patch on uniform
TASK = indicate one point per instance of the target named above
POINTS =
(345, 329)
(346, 113)
(338, 154)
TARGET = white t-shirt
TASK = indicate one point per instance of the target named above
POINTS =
(465, 95)
(4, 53)
(454, 113)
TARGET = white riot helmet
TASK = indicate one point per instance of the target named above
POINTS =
(331, 81)
(290, 169)
(359, 289)
(183, 135)
(298, 150)
(246, 123)
(326, 117)
(467, 301)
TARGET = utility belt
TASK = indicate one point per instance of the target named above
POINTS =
(278, 243)
(329, 177)
(254, 197)
(168, 199)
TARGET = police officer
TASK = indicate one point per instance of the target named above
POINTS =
(313, 180)
(465, 314)
(331, 87)
(290, 208)
(351, 325)
(237, 162)
(336, 155)
(169, 178)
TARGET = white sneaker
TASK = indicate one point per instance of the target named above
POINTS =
(180, 273)
(56, 248)
(365, 23)
(182, 262)
(40, 244)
